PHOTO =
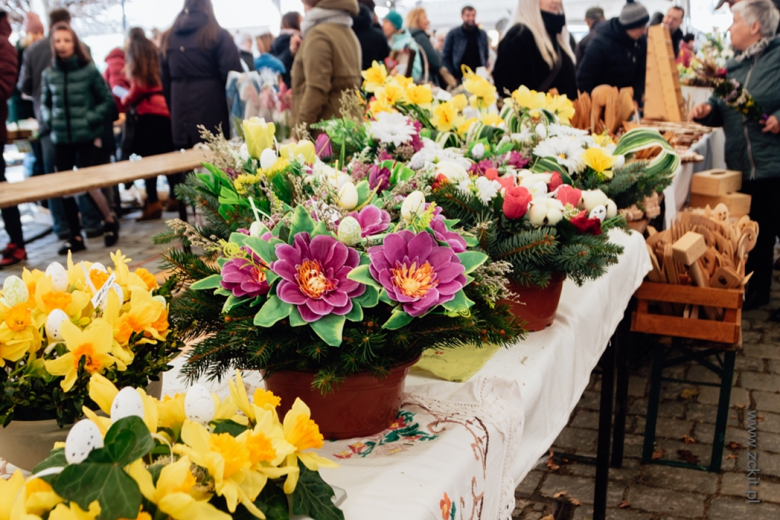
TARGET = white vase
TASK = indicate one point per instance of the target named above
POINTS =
(26, 443)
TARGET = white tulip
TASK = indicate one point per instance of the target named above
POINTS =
(268, 158)
(478, 151)
(454, 172)
(348, 196)
(541, 131)
(531, 180)
(413, 206)
(349, 231)
(620, 160)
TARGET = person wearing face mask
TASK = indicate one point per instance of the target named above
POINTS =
(753, 147)
(617, 56)
(536, 51)
(75, 101)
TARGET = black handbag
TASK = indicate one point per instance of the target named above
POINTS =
(131, 125)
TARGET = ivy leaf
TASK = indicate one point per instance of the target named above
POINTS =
(330, 328)
(362, 274)
(128, 440)
(212, 282)
(265, 250)
(228, 426)
(272, 311)
(471, 260)
(273, 502)
(302, 222)
(314, 497)
(116, 492)
(369, 298)
(56, 459)
(398, 320)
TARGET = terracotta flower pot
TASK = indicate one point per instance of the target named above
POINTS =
(362, 406)
(537, 306)
(26, 443)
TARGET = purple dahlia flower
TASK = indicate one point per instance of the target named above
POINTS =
(372, 220)
(379, 177)
(314, 276)
(322, 147)
(416, 271)
(243, 277)
(455, 241)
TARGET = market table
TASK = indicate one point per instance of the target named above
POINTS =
(468, 445)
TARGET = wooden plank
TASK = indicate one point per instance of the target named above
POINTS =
(67, 183)
(705, 330)
(728, 298)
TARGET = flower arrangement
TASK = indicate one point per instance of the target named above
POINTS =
(192, 455)
(335, 270)
(63, 325)
(731, 91)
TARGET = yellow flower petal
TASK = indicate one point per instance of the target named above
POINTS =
(102, 391)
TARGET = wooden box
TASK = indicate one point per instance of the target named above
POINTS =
(716, 182)
(738, 203)
(648, 319)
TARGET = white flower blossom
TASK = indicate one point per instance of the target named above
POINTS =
(486, 189)
(392, 128)
(568, 152)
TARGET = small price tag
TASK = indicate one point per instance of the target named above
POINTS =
(100, 295)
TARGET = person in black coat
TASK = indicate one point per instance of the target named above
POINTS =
(372, 40)
(536, 51)
(197, 55)
(593, 17)
(617, 56)
(673, 20)
(291, 25)
(418, 24)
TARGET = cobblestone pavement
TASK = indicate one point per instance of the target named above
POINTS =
(653, 492)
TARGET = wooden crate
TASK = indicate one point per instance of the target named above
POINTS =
(738, 203)
(648, 319)
(716, 182)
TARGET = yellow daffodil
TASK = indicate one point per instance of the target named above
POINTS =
(561, 106)
(40, 498)
(459, 102)
(262, 399)
(464, 127)
(148, 278)
(377, 106)
(302, 149)
(9, 492)
(303, 434)
(144, 316)
(420, 95)
(93, 344)
(374, 77)
(74, 512)
(120, 267)
(31, 278)
(47, 299)
(602, 140)
(103, 392)
(445, 117)
(170, 412)
(491, 119)
(227, 460)
(529, 99)
(480, 88)
(259, 136)
(391, 94)
(400, 81)
(19, 332)
(599, 161)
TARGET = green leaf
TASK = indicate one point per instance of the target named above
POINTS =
(222, 261)
(314, 497)
(212, 282)
(363, 191)
(320, 229)
(272, 311)
(271, 277)
(238, 238)
(223, 292)
(369, 298)
(459, 305)
(362, 274)
(56, 459)
(398, 320)
(232, 302)
(385, 298)
(265, 250)
(356, 314)
(116, 492)
(505, 148)
(128, 440)
(273, 503)
(301, 222)
(330, 329)
(471, 260)
(282, 187)
(295, 318)
(228, 426)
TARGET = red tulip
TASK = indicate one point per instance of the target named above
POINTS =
(585, 224)
(568, 195)
(555, 181)
(516, 202)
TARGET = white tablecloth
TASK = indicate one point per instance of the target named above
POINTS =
(468, 445)
(712, 148)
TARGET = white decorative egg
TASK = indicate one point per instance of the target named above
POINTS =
(15, 291)
(268, 158)
(127, 403)
(97, 266)
(59, 277)
(199, 405)
(160, 299)
(84, 437)
(599, 212)
(54, 325)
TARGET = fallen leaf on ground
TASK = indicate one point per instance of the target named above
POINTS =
(575, 502)
(551, 463)
(688, 439)
(734, 445)
(687, 456)
(732, 456)
(658, 454)
(559, 494)
(689, 393)
(624, 504)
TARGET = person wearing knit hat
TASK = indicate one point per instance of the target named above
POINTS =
(617, 55)
(32, 25)
(404, 49)
(392, 23)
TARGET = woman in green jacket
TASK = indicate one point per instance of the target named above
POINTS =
(753, 147)
(75, 101)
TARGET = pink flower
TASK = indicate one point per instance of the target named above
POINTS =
(244, 278)
(379, 178)
(322, 147)
(372, 220)
(516, 202)
(555, 181)
(492, 175)
(568, 195)
(516, 160)
(585, 224)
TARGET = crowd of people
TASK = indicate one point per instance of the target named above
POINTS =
(169, 85)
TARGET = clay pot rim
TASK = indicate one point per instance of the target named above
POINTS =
(401, 366)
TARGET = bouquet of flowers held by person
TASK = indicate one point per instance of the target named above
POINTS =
(61, 326)
(326, 268)
(731, 91)
(185, 457)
